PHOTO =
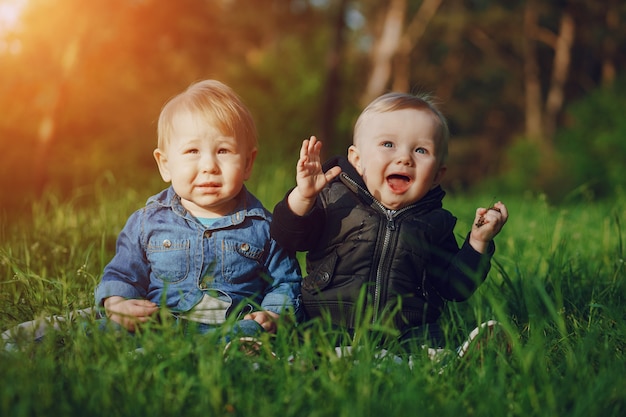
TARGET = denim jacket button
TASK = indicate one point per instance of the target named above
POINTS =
(167, 243)
(207, 233)
(245, 247)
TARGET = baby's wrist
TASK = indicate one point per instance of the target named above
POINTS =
(298, 203)
(112, 300)
(479, 246)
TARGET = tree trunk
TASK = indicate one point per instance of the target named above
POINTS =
(532, 85)
(609, 46)
(560, 71)
(384, 50)
(415, 30)
(330, 101)
(48, 127)
(452, 70)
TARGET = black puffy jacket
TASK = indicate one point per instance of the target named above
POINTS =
(405, 263)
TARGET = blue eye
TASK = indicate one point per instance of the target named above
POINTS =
(420, 150)
(387, 144)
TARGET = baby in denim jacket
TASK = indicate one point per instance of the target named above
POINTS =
(202, 248)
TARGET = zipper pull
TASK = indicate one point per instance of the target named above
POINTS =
(391, 225)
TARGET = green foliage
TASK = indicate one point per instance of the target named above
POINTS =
(586, 160)
(523, 165)
(592, 146)
(557, 286)
(95, 75)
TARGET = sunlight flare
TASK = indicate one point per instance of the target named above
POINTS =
(10, 12)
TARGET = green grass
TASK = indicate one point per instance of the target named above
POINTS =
(557, 286)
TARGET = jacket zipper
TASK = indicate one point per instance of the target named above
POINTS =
(389, 228)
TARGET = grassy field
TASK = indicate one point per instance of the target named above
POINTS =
(557, 286)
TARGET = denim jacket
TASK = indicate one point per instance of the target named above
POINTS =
(165, 255)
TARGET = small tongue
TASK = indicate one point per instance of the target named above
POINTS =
(398, 183)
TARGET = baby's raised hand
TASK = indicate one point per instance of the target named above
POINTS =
(310, 177)
(487, 224)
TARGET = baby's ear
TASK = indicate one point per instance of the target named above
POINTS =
(161, 160)
(355, 158)
(439, 175)
(249, 164)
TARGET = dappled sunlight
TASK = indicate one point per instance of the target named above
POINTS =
(10, 14)
(82, 83)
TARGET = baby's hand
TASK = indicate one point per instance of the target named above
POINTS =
(129, 313)
(310, 178)
(487, 224)
(267, 319)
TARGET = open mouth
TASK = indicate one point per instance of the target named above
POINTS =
(398, 183)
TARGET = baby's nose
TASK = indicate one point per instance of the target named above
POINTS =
(208, 163)
(405, 158)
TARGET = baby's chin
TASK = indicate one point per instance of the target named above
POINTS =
(393, 200)
(395, 204)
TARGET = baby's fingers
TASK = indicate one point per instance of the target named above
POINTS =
(332, 173)
(304, 149)
(310, 147)
(497, 214)
(501, 208)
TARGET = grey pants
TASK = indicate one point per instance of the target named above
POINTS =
(35, 330)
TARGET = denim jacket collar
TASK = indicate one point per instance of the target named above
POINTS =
(247, 206)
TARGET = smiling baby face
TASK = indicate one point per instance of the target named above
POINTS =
(398, 153)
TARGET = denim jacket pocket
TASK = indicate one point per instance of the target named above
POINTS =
(169, 258)
(241, 261)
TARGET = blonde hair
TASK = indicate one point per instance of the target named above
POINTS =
(215, 103)
(400, 101)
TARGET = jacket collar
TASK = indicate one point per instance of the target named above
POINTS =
(247, 206)
(351, 179)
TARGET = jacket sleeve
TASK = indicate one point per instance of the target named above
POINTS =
(457, 272)
(283, 294)
(128, 273)
(293, 232)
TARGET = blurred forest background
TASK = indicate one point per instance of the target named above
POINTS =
(534, 90)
